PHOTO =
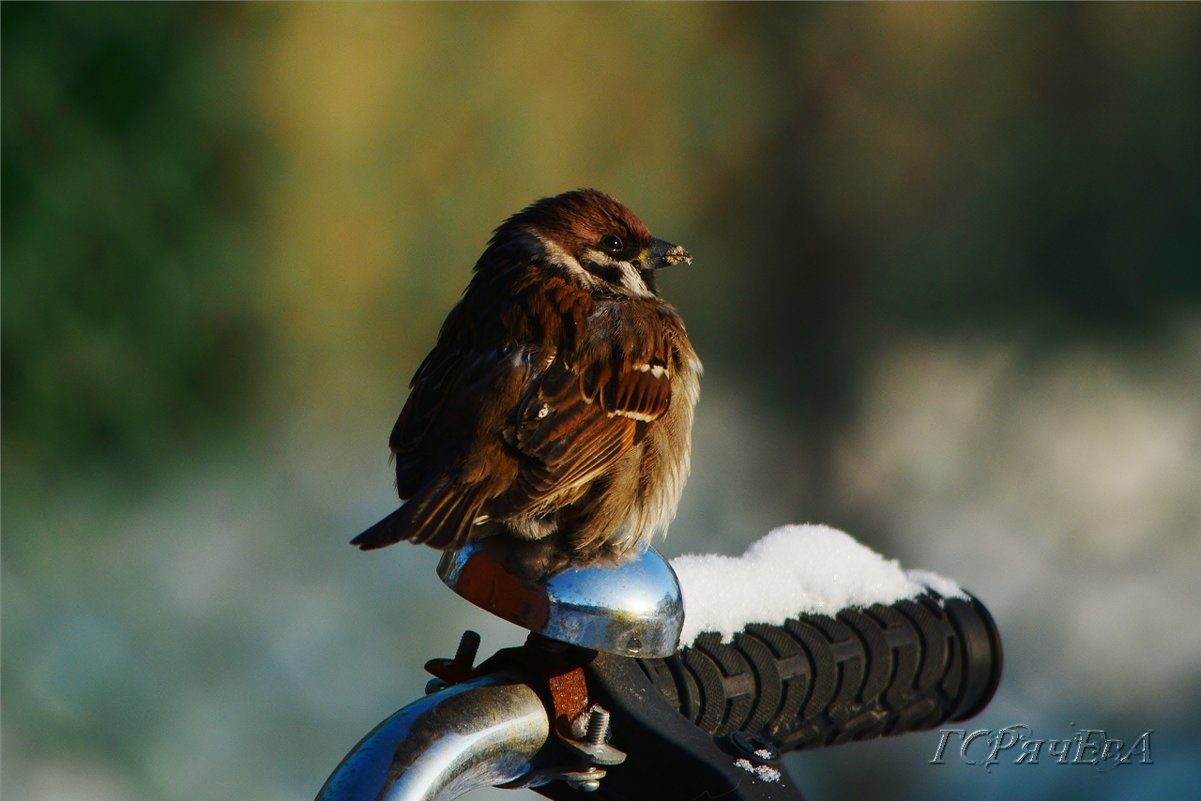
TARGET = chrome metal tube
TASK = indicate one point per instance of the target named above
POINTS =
(475, 734)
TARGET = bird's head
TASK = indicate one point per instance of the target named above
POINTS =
(593, 237)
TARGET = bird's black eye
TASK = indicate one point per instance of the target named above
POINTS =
(612, 243)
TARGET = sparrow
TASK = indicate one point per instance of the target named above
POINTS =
(555, 411)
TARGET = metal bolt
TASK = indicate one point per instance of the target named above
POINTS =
(598, 725)
(469, 646)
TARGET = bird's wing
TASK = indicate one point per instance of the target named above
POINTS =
(584, 417)
(450, 458)
(429, 392)
(468, 365)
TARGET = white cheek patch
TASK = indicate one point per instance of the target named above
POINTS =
(561, 258)
(631, 278)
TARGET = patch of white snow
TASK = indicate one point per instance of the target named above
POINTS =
(794, 570)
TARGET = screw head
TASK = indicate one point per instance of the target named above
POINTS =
(754, 747)
(585, 785)
(587, 781)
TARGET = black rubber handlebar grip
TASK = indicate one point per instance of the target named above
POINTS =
(818, 680)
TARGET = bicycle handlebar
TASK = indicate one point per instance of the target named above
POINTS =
(708, 720)
(820, 680)
(479, 733)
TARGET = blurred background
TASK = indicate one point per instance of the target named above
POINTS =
(947, 287)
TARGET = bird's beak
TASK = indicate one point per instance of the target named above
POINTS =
(663, 254)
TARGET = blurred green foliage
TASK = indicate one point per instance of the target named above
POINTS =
(129, 324)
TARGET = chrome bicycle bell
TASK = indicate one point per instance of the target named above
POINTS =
(631, 609)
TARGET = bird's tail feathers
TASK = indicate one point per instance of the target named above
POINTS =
(440, 517)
